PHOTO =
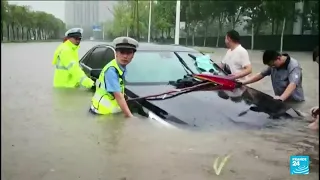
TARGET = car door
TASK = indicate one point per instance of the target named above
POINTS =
(83, 61)
(94, 62)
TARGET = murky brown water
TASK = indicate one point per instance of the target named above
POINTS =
(48, 134)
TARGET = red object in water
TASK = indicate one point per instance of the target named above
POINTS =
(225, 82)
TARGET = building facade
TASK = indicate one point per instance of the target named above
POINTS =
(86, 14)
(82, 13)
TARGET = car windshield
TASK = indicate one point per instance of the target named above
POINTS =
(159, 66)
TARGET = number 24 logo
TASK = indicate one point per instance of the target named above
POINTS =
(296, 163)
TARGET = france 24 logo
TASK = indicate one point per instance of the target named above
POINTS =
(299, 165)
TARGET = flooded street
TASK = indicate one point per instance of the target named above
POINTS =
(48, 134)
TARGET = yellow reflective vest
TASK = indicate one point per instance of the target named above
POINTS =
(104, 102)
(68, 73)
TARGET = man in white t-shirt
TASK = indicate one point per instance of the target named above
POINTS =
(236, 61)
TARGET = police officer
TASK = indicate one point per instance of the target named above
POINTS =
(286, 77)
(68, 73)
(109, 96)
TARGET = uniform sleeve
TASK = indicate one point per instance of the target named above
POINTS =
(72, 66)
(244, 58)
(266, 72)
(295, 75)
(111, 80)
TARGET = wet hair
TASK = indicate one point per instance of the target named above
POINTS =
(234, 36)
(315, 53)
(270, 56)
(65, 39)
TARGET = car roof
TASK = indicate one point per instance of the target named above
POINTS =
(158, 47)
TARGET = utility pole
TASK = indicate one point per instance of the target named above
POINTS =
(137, 14)
(133, 5)
(149, 28)
(103, 31)
(177, 29)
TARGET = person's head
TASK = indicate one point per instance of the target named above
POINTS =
(74, 35)
(272, 58)
(232, 38)
(315, 54)
(125, 49)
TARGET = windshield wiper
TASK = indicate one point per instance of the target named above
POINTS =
(184, 64)
(215, 64)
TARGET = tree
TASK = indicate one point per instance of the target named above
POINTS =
(4, 9)
(191, 14)
(194, 17)
(311, 16)
(122, 13)
(21, 23)
(207, 16)
(164, 18)
(234, 10)
(125, 20)
(221, 15)
(277, 11)
(256, 13)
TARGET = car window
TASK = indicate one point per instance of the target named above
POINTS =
(100, 57)
(86, 57)
(110, 55)
(153, 66)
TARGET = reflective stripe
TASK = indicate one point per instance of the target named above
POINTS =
(106, 103)
(101, 100)
(94, 109)
(58, 66)
(63, 67)
(98, 84)
(82, 79)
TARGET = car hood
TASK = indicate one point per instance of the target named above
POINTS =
(214, 109)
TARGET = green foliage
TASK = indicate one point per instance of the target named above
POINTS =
(276, 11)
(311, 16)
(211, 17)
(21, 23)
(125, 20)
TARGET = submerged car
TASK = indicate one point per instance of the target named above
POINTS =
(154, 68)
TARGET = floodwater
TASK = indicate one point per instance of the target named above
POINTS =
(48, 134)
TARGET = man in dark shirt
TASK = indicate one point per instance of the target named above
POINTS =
(286, 77)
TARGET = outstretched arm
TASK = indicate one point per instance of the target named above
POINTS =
(113, 86)
(73, 67)
(258, 76)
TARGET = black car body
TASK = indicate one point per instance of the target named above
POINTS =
(155, 65)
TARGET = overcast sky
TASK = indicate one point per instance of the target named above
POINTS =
(53, 7)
